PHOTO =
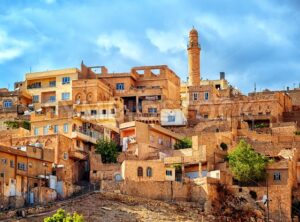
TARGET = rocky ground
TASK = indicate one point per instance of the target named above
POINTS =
(113, 207)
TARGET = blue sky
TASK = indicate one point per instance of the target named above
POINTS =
(252, 41)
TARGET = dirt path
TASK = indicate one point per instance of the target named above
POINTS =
(115, 207)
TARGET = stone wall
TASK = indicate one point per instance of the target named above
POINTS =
(170, 190)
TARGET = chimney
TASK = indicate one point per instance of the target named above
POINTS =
(222, 75)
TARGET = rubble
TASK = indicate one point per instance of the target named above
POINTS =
(116, 207)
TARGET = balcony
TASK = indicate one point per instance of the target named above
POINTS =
(78, 155)
(12, 109)
(88, 117)
(133, 91)
(42, 116)
(147, 117)
(47, 103)
(87, 135)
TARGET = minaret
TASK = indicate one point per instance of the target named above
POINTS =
(193, 48)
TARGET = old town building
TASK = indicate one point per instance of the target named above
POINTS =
(13, 104)
(146, 111)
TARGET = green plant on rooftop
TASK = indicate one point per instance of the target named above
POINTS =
(183, 143)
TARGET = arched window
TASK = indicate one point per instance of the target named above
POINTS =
(149, 172)
(140, 171)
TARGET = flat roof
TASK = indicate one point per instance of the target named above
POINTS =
(50, 73)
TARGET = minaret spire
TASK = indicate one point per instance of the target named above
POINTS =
(194, 58)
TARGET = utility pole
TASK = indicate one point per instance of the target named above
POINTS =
(268, 216)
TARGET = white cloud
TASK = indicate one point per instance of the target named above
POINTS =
(50, 1)
(167, 41)
(271, 29)
(11, 48)
(128, 48)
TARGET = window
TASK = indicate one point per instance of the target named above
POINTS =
(160, 141)
(171, 118)
(277, 176)
(112, 111)
(7, 104)
(152, 110)
(65, 156)
(195, 96)
(52, 99)
(93, 112)
(66, 128)
(151, 139)
(52, 83)
(206, 96)
(45, 130)
(65, 96)
(78, 143)
(55, 128)
(36, 131)
(4, 161)
(120, 86)
(205, 116)
(169, 172)
(149, 172)
(65, 80)
(11, 164)
(104, 111)
(35, 85)
(35, 99)
(140, 171)
(22, 166)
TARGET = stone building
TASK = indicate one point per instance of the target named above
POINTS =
(13, 104)
(212, 100)
(145, 91)
(145, 141)
(22, 169)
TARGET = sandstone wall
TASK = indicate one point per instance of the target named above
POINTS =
(170, 190)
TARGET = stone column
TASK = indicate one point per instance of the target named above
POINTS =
(200, 170)
(137, 104)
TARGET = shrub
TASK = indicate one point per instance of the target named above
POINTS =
(62, 216)
(183, 143)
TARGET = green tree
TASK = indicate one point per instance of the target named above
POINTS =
(108, 150)
(245, 164)
(17, 124)
(26, 125)
(62, 216)
(12, 124)
(183, 143)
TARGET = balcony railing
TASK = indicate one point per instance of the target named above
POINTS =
(49, 101)
(88, 135)
(96, 116)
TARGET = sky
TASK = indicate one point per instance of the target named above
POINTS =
(253, 41)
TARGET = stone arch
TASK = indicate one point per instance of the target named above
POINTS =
(89, 97)
(78, 97)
